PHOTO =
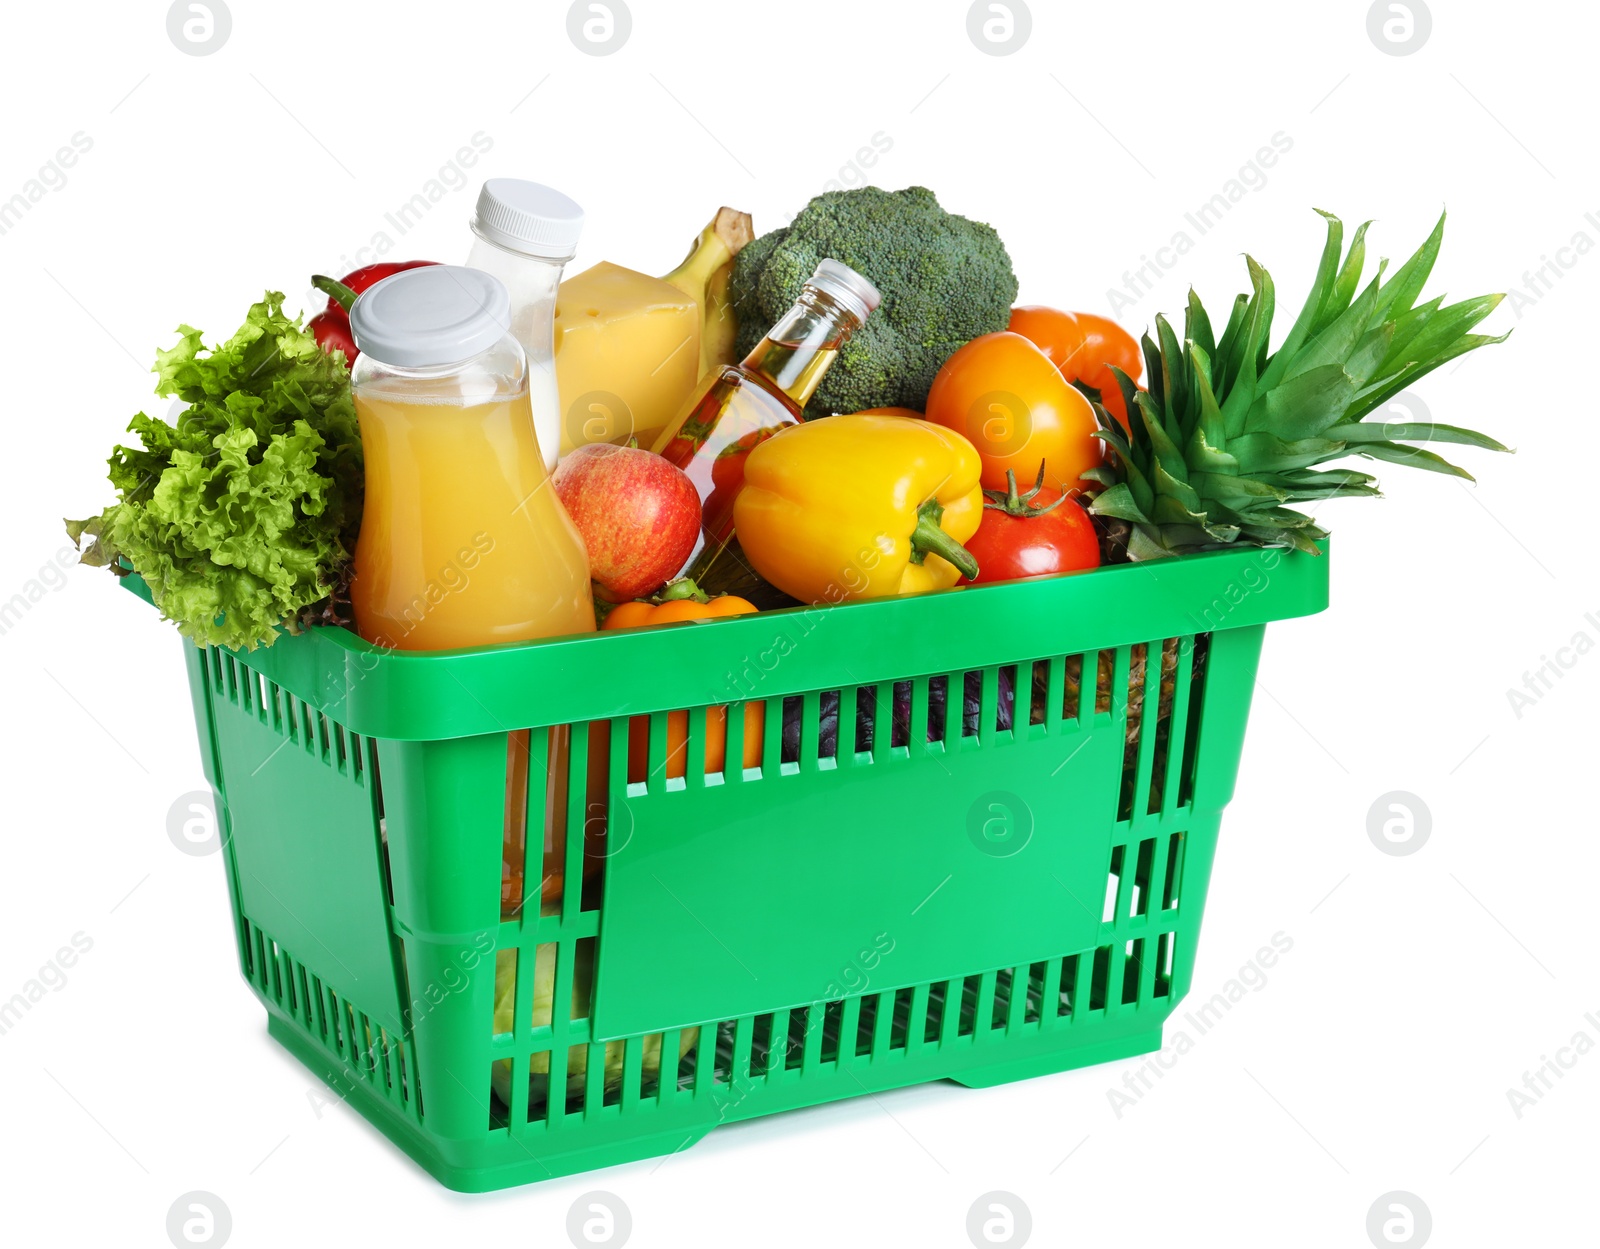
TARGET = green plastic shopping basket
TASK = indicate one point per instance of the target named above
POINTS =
(975, 846)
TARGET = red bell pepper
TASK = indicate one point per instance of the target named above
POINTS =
(331, 327)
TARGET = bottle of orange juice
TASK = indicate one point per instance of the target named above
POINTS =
(463, 540)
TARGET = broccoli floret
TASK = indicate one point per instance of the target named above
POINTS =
(945, 280)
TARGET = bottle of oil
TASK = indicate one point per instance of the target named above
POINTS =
(739, 405)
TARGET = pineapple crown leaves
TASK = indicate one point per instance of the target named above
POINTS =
(1227, 434)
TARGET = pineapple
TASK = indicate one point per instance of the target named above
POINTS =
(1228, 433)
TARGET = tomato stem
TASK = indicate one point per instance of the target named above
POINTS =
(1020, 505)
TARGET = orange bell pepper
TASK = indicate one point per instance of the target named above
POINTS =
(1084, 347)
(1005, 394)
(682, 600)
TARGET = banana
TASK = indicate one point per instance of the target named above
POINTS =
(703, 277)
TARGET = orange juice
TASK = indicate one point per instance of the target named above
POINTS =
(463, 541)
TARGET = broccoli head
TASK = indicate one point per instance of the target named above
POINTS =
(945, 280)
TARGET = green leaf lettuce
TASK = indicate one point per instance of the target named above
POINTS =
(243, 514)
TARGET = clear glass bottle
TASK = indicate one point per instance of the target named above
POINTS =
(462, 543)
(525, 233)
(740, 405)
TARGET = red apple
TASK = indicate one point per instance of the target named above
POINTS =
(639, 516)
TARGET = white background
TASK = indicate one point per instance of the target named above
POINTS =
(1419, 989)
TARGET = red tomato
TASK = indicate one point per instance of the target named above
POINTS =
(331, 326)
(1028, 537)
(1084, 347)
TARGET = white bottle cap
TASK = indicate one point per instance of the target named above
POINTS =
(528, 217)
(439, 314)
(847, 286)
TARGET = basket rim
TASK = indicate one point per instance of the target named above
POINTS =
(443, 695)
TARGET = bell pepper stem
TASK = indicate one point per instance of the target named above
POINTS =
(928, 538)
(682, 588)
(334, 290)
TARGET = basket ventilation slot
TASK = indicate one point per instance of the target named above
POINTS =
(549, 1068)
(368, 1050)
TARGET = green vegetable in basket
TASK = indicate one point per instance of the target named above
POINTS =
(243, 513)
(945, 280)
(1229, 432)
(544, 977)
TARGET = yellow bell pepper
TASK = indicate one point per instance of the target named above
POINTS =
(862, 506)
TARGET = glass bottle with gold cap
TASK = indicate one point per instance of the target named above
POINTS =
(740, 405)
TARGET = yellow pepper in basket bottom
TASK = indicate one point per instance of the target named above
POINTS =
(863, 506)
